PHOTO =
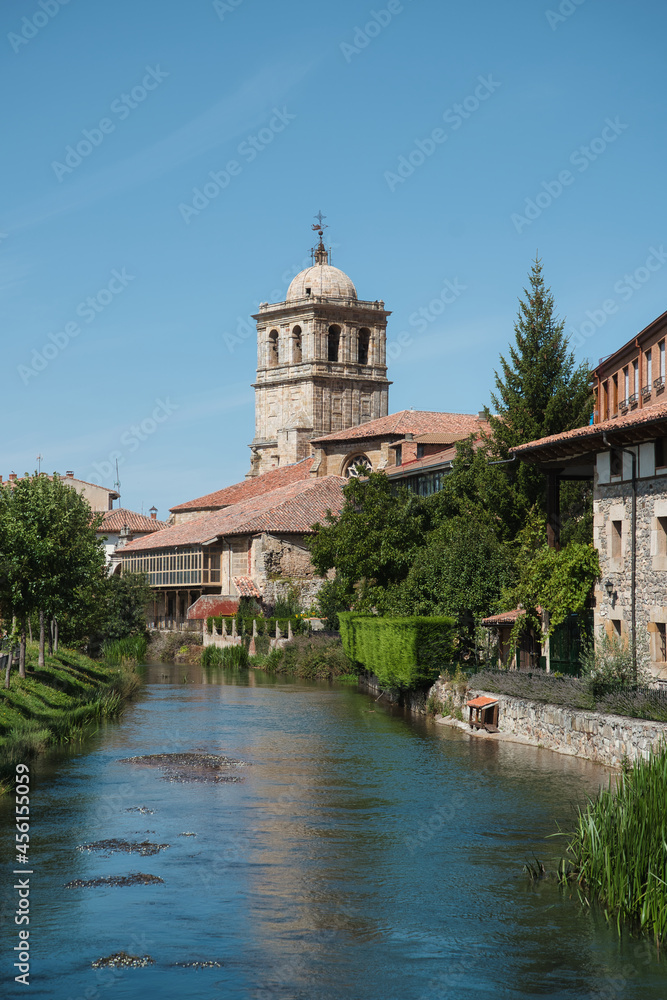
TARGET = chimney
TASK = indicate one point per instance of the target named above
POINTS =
(481, 416)
(409, 437)
(69, 474)
(12, 477)
(153, 513)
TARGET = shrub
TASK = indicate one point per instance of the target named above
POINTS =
(316, 657)
(403, 653)
(607, 665)
(225, 656)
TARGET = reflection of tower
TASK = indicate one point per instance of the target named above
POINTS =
(321, 363)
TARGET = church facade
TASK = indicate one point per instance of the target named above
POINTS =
(321, 364)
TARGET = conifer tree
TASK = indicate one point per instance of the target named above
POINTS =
(539, 390)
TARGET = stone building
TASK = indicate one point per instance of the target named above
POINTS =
(99, 497)
(121, 526)
(626, 457)
(321, 364)
(253, 548)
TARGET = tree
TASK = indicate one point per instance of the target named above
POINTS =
(539, 390)
(373, 541)
(52, 555)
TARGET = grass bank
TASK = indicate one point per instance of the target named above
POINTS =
(618, 851)
(59, 703)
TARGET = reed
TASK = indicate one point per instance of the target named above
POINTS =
(618, 851)
(225, 656)
(125, 652)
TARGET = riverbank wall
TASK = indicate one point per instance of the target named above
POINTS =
(606, 739)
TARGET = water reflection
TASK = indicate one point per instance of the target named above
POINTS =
(365, 855)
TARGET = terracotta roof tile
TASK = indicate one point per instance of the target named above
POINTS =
(586, 435)
(506, 618)
(408, 422)
(245, 586)
(210, 605)
(292, 509)
(249, 487)
(114, 520)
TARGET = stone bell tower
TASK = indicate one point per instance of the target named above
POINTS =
(321, 363)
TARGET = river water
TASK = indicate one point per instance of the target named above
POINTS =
(363, 855)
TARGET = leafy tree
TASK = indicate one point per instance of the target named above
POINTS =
(539, 390)
(373, 542)
(124, 604)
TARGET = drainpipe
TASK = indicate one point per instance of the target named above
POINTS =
(633, 565)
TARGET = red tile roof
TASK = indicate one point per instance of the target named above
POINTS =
(291, 509)
(586, 436)
(417, 464)
(481, 702)
(114, 520)
(249, 487)
(506, 618)
(210, 605)
(409, 422)
(245, 586)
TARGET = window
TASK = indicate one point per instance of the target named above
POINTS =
(420, 451)
(660, 454)
(649, 370)
(364, 342)
(661, 630)
(635, 378)
(616, 539)
(399, 454)
(296, 345)
(616, 462)
(614, 401)
(617, 626)
(333, 343)
(661, 345)
(604, 408)
(662, 536)
(308, 291)
(626, 385)
(273, 349)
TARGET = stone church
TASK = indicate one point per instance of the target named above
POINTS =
(321, 415)
(321, 364)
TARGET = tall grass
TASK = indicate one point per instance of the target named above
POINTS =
(123, 652)
(618, 852)
(225, 656)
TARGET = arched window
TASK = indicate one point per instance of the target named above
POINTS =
(333, 343)
(358, 465)
(364, 344)
(296, 345)
(273, 349)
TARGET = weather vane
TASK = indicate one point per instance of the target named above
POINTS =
(319, 227)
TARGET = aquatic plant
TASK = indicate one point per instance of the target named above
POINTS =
(618, 851)
(124, 652)
(225, 656)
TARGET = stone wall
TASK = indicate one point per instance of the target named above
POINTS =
(283, 566)
(607, 739)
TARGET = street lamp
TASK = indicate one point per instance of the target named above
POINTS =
(609, 587)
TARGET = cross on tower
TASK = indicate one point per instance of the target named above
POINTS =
(320, 226)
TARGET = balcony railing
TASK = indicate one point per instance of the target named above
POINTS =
(632, 399)
(646, 391)
(624, 403)
(659, 382)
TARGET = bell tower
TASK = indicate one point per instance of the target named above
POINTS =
(321, 363)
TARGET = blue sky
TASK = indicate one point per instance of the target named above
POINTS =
(125, 312)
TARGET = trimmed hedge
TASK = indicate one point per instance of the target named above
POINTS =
(403, 653)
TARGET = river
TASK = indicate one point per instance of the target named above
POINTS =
(362, 855)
